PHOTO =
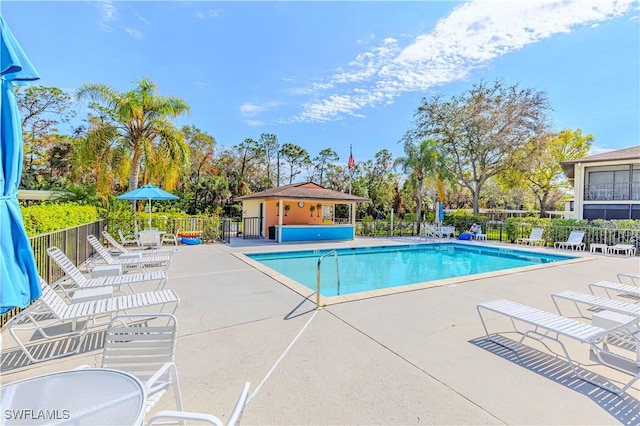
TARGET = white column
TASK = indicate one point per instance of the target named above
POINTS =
(280, 214)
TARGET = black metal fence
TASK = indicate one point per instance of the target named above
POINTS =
(209, 228)
(72, 241)
(504, 232)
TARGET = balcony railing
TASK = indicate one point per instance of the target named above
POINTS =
(620, 191)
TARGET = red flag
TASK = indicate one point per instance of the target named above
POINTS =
(351, 163)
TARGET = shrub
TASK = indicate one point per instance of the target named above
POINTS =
(462, 220)
(45, 218)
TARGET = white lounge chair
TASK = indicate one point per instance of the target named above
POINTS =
(602, 303)
(545, 325)
(634, 277)
(234, 418)
(52, 318)
(574, 242)
(620, 289)
(144, 345)
(117, 282)
(135, 260)
(535, 238)
(145, 252)
(626, 249)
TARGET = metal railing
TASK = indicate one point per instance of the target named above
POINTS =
(505, 232)
(252, 227)
(335, 254)
(208, 227)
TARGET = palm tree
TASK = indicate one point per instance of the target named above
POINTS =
(137, 122)
(423, 162)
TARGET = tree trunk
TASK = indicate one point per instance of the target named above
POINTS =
(476, 197)
(543, 205)
(134, 176)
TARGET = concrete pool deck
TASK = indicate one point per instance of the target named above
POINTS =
(416, 357)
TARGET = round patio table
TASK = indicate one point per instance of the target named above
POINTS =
(90, 396)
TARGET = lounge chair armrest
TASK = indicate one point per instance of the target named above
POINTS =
(185, 415)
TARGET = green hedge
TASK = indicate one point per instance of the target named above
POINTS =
(45, 218)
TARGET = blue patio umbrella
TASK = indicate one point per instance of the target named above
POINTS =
(148, 192)
(19, 279)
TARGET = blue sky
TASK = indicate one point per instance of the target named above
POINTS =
(331, 74)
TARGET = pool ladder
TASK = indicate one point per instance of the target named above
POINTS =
(335, 255)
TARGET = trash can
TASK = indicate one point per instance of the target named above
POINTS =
(272, 232)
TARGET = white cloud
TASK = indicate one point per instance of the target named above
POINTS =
(255, 123)
(208, 14)
(133, 33)
(249, 109)
(108, 14)
(473, 35)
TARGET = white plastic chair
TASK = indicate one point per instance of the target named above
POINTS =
(149, 238)
(234, 418)
(144, 345)
(145, 252)
(479, 235)
(128, 239)
(170, 238)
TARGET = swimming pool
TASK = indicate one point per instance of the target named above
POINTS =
(364, 269)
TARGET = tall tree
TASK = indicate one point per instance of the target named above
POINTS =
(481, 128)
(379, 182)
(201, 147)
(296, 158)
(322, 161)
(422, 161)
(41, 109)
(541, 172)
(99, 162)
(248, 153)
(139, 121)
(269, 145)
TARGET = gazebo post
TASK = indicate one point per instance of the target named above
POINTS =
(280, 214)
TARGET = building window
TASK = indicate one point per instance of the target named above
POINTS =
(608, 185)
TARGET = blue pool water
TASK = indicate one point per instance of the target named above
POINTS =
(371, 268)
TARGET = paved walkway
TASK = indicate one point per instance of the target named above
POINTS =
(415, 357)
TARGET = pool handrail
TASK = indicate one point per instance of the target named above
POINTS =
(335, 254)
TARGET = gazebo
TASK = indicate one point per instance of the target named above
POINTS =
(298, 212)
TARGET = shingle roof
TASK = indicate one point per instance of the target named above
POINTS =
(632, 153)
(304, 191)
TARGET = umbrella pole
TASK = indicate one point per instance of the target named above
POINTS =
(149, 213)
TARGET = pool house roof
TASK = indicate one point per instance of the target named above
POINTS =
(304, 191)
